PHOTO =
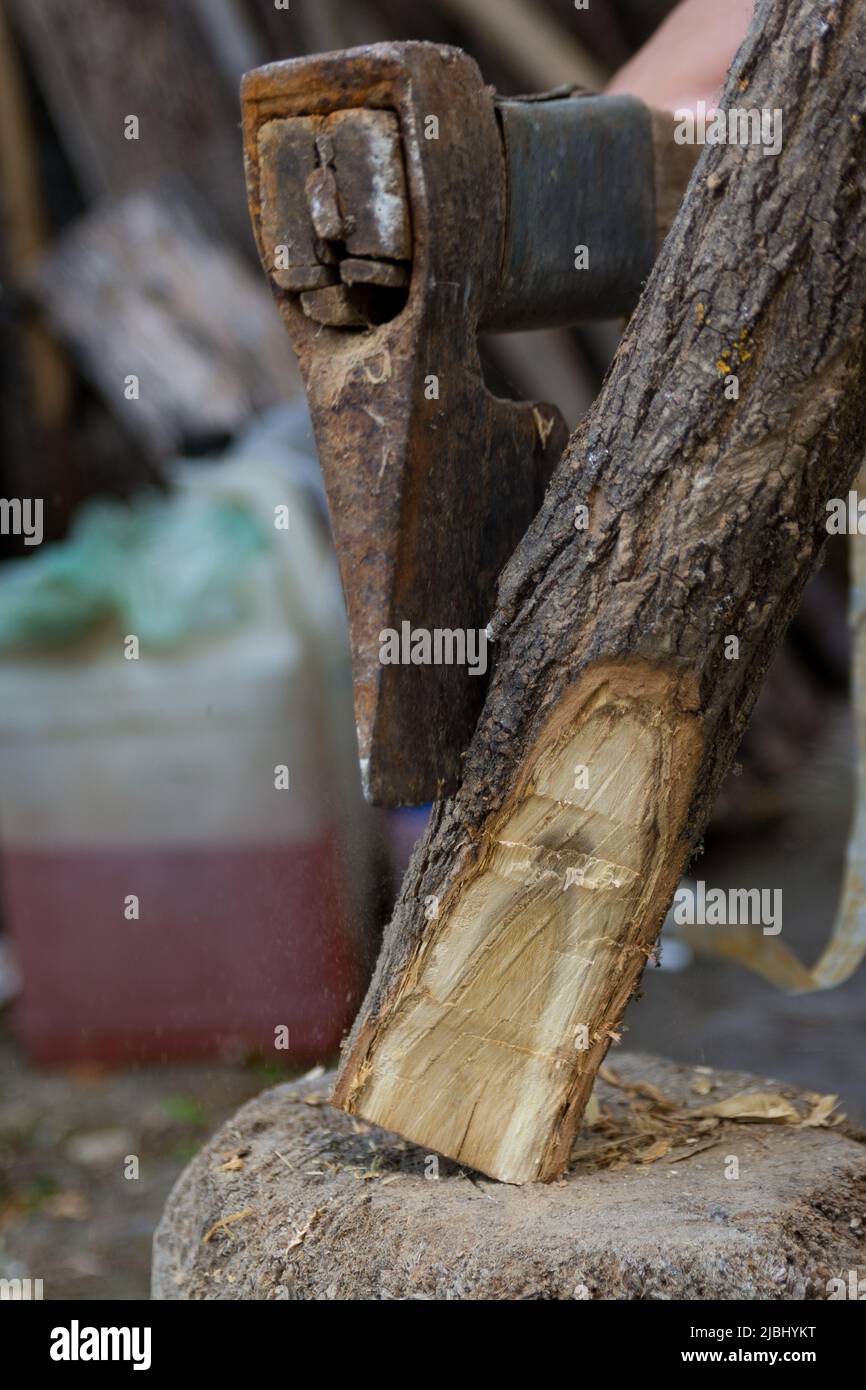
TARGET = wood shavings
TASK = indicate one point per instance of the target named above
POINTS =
(658, 1150)
(694, 1148)
(303, 1231)
(224, 1222)
(232, 1165)
(652, 1127)
(821, 1115)
(762, 1106)
(637, 1088)
(643, 1088)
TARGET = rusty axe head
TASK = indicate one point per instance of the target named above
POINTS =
(398, 209)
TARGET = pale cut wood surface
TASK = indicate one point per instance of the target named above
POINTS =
(523, 958)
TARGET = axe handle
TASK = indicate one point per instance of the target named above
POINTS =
(672, 169)
(592, 186)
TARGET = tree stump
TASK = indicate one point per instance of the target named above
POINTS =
(295, 1200)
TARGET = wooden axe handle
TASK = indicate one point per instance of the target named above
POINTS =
(672, 165)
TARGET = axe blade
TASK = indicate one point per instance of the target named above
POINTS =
(398, 208)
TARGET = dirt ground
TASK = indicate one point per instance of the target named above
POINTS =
(70, 1217)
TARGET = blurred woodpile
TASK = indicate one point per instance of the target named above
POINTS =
(126, 257)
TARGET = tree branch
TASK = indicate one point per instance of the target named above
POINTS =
(615, 709)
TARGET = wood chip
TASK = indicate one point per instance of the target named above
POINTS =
(658, 1150)
(231, 1165)
(303, 1231)
(819, 1116)
(694, 1148)
(224, 1223)
(759, 1107)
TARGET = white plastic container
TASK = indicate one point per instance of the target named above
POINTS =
(166, 893)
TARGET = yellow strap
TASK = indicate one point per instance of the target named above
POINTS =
(766, 955)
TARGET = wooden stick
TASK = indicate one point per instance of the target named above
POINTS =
(26, 225)
(532, 42)
(684, 514)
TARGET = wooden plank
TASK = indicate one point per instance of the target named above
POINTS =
(531, 41)
(25, 231)
(98, 63)
(138, 288)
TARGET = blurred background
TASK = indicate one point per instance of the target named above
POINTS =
(193, 890)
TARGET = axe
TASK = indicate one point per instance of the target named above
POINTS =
(400, 207)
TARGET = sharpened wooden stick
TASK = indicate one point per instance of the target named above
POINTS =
(689, 509)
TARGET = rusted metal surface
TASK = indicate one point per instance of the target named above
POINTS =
(428, 495)
(399, 208)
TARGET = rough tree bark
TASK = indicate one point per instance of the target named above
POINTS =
(533, 902)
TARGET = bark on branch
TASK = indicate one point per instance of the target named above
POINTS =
(533, 902)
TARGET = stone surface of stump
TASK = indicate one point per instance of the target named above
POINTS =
(292, 1199)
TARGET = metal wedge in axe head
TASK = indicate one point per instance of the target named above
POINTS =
(399, 208)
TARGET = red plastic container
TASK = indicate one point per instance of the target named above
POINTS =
(230, 945)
